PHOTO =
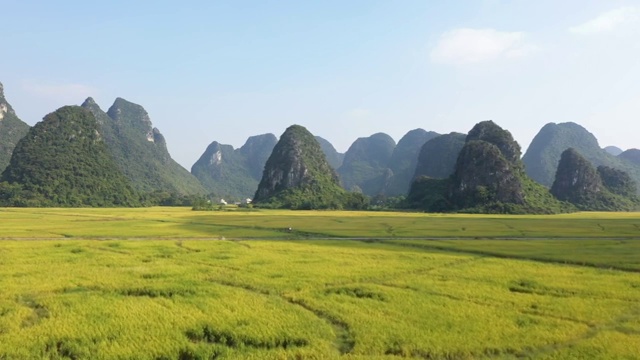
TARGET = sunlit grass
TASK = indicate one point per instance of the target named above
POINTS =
(184, 223)
(175, 284)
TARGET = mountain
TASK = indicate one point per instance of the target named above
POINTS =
(298, 176)
(12, 129)
(437, 157)
(230, 173)
(63, 161)
(333, 156)
(631, 155)
(488, 177)
(365, 165)
(613, 150)
(488, 169)
(256, 151)
(140, 150)
(618, 182)
(543, 155)
(485, 175)
(404, 159)
(579, 183)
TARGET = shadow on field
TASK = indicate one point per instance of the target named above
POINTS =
(224, 227)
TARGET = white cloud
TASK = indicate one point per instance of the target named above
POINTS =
(69, 93)
(465, 46)
(607, 21)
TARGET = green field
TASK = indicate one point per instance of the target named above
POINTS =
(170, 283)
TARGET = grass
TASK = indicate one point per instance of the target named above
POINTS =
(166, 283)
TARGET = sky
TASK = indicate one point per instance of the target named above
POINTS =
(225, 70)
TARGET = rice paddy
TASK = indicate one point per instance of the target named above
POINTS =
(170, 283)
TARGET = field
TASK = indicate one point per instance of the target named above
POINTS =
(170, 283)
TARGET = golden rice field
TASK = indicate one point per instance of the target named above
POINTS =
(170, 283)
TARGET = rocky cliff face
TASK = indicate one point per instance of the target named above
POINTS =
(12, 129)
(132, 116)
(578, 182)
(488, 168)
(576, 178)
(438, 156)
(230, 173)
(489, 132)
(484, 175)
(63, 161)
(297, 174)
(488, 177)
(140, 150)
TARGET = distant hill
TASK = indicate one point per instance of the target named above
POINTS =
(613, 150)
(579, 183)
(631, 155)
(140, 150)
(230, 173)
(543, 155)
(365, 165)
(63, 161)
(438, 156)
(256, 151)
(12, 129)
(404, 159)
(488, 177)
(333, 156)
(298, 176)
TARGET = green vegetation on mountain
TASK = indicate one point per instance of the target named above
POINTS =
(484, 175)
(12, 129)
(489, 132)
(333, 156)
(235, 174)
(618, 182)
(488, 177)
(438, 156)
(140, 151)
(63, 161)
(543, 155)
(365, 165)
(404, 159)
(298, 176)
(256, 151)
(632, 156)
(578, 182)
(430, 194)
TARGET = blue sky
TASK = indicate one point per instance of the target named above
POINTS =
(226, 70)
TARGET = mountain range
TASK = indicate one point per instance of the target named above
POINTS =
(543, 155)
(438, 172)
(488, 177)
(234, 173)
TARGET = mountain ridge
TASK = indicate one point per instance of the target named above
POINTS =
(140, 150)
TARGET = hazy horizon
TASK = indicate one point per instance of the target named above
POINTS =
(213, 71)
